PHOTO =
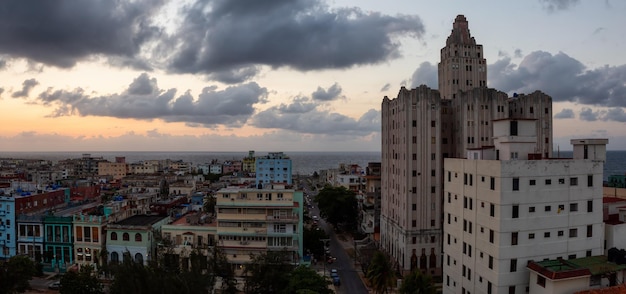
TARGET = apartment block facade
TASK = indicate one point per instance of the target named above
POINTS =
(275, 167)
(499, 214)
(254, 221)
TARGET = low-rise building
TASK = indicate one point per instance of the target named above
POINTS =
(133, 238)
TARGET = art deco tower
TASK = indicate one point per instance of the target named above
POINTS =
(463, 66)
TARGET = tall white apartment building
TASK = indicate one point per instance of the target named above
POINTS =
(422, 126)
(501, 214)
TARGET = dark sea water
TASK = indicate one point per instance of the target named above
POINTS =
(303, 163)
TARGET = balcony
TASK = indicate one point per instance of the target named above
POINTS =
(244, 244)
(3, 228)
(241, 230)
(3, 212)
(283, 218)
(243, 217)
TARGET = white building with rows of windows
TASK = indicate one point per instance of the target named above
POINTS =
(506, 205)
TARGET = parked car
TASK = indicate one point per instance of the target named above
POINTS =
(335, 277)
(54, 285)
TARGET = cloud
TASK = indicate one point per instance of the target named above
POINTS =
(565, 113)
(616, 114)
(303, 116)
(562, 77)
(386, 87)
(558, 5)
(587, 114)
(143, 99)
(215, 36)
(1, 91)
(63, 32)
(425, 74)
(27, 85)
(518, 53)
(332, 93)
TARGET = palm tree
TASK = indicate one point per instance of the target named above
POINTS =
(380, 273)
(417, 283)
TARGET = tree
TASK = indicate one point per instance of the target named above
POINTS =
(209, 204)
(303, 279)
(15, 274)
(79, 282)
(219, 266)
(380, 273)
(339, 206)
(311, 241)
(268, 272)
(417, 282)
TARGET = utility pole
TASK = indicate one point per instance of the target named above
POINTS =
(324, 261)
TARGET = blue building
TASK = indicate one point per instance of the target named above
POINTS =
(273, 168)
(7, 227)
(59, 242)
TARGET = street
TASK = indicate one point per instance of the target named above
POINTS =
(351, 283)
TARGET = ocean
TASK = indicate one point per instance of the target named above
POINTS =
(303, 163)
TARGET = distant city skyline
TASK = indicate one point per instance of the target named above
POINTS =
(285, 75)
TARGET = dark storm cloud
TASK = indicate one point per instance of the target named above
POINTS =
(303, 116)
(565, 113)
(616, 114)
(332, 93)
(425, 74)
(63, 32)
(562, 77)
(587, 114)
(557, 5)
(304, 34)
(386, 87)
(144, 100)
(27, 85)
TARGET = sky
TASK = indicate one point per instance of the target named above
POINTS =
(285, 75)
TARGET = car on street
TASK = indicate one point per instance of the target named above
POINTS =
(334, 274)
(54, 285)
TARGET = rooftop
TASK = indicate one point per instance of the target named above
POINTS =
(140, 220)
(579, 267)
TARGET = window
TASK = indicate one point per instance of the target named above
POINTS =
(573, 233)
(589, 205)
(531, 209)
(571, 256)
(490, 262)
(137, 237)
(414, 206)
(493, 183)
(512, 288)
(546, 234)
(561, 181)
(561, 207)
(541, 281)
(126, 237)
(559, 233)
(515, 184)
(532, 182)
(514, 238)
(590, 231)
(515, 211)
(573, 207)
(491, 236)
(113, 236)
(531, 236)
(414, 223)
(590, 181)
(588, 253)
(513, 128)
(492, 210)
(573, 181)
(489, 291)
(548, 208)
(513, 267)
(548, 182)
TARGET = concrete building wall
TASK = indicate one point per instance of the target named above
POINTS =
(499, 211)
